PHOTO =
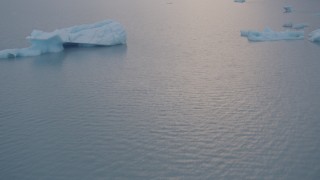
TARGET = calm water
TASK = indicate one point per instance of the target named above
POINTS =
(187, 98)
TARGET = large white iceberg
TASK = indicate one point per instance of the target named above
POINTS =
(315, 36)
(105, 33)
(269, 35)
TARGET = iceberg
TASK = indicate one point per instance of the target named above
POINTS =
(240, 1)
(105, 33)
(314, 36)
(270, 35)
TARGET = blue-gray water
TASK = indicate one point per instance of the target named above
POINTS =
(187, 98)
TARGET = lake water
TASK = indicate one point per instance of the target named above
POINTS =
(187, 98)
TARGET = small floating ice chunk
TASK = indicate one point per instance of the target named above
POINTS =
(287, 9)
(300, 26)
(288, 25)
(240, 1)
(314, 36)
(105, 33)
(270, 35)
(295, 26)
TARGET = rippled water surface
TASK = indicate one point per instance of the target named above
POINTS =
(187, 98)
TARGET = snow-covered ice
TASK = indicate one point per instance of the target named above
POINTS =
(270, 35)
(105, 33)
(315, 36)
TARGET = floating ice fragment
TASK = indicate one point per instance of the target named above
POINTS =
(314, 36)
(300, 26)
(288, 25)
(105, 33)
(295, 26)
(240, 1)
(269, 35)
(287, 9)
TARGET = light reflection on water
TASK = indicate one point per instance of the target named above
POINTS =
(187, 98)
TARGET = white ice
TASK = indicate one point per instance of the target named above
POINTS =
(240, 1)
(315, 36)
(105, 33)
(270, 35)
